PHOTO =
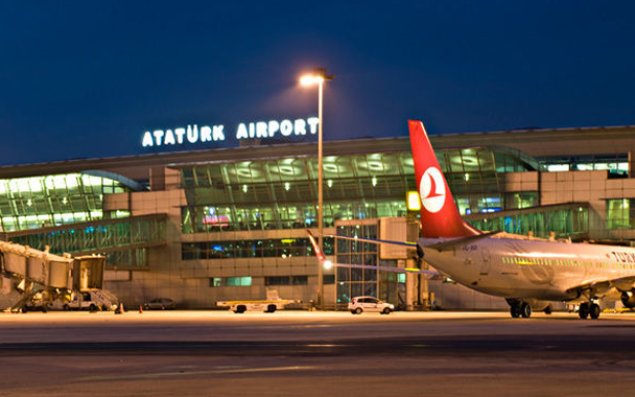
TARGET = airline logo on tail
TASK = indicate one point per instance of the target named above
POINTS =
(432, 190)
(439, 215)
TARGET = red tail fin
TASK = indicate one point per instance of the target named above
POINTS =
(318, 252)
(439, 215)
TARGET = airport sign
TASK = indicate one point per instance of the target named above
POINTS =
(196, 134)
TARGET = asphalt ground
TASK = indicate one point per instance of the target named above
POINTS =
(297, 353)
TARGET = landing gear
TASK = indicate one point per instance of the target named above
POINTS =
(514, 310)
(525, 310)
(520, 309)
(589, 309)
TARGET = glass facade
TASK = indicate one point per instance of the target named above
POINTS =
(279, 194)
(54, 200)
(124, 240)
(262, 248)
(566, 220)
(351, 282)
(230, 281)
(473, 175)
(286, 280)
(620, 214)
(615, 164)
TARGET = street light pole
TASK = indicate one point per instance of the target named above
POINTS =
(318, 77)
(320, 213)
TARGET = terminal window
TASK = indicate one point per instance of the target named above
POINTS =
(230, 281)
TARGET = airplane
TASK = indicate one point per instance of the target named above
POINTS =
(530, 273)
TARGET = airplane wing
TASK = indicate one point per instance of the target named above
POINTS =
(429, 274)
(410, 244)
(601, 286)
(450, 244)
(442, 246)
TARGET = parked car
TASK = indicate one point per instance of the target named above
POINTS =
(360, 304)
(160, 304)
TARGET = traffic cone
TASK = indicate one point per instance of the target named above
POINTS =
(119, 309)
(140, 308)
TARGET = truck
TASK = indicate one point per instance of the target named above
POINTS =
(269, 305)
(93, 300)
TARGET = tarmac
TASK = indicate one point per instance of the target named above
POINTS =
(292, 353)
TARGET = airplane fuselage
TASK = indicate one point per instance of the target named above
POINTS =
(530, 269)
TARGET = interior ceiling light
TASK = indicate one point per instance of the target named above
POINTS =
(288, 170)
(244, 172)
(469, 160)
(374, 165)
(331, 168)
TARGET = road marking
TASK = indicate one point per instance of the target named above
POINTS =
(206, 372)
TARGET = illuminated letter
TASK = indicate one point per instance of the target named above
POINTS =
(313, 124)
(217, 133)
(252, 130)
(192, 134)
(158, 134)
(147, 139)
(300, 127)
(169, 138)
(286, 127)
(261, 129)
(241, 132)
(179, 132)
(206, 133)
(274, 126)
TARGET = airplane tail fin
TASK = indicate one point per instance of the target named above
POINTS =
(318, 252)
(439, 215)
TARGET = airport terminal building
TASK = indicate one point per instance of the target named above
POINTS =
(200, 226)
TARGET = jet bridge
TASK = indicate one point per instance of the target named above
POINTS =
(26, 272)
(42, 267)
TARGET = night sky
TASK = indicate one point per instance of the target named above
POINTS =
(83, 79)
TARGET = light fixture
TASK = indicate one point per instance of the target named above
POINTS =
(413, 202)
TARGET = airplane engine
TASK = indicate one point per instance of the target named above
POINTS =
(540, 306)
(628, 299)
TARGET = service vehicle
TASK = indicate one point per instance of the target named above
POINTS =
(92, 300)
(269, 305)
(360, 304)
(36, 303)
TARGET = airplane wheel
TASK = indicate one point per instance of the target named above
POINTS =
(584, 310)
(514, 310)
(525, 310)
(594, 311)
